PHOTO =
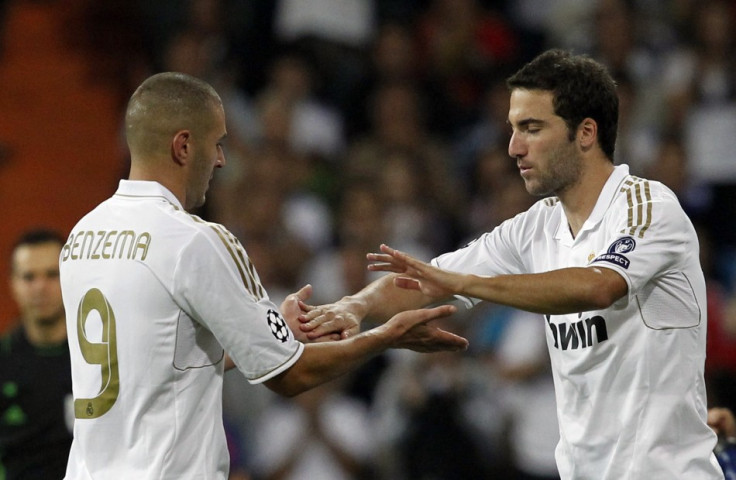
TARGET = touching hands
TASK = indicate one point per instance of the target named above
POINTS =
(329, 322)
(294, 307)
(409, 329)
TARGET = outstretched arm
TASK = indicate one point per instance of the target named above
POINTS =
(377, 302)
(321, 362)
(560, 291)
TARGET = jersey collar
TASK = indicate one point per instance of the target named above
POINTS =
(605, 199)
(146, 189)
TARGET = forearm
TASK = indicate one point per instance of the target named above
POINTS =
(561, 291)
(322, 362)
(381, 299)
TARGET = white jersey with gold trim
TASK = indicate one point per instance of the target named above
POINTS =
(631, 400)
(154, 297)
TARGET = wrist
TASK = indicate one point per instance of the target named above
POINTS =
(355, 305)
(465, 284)
(373, 341)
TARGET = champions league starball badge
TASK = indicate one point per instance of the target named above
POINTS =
(277, 325)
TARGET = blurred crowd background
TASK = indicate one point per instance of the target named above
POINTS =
(357, 122)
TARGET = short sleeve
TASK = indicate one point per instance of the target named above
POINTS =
(218, 287)
(494, 253)
(659, 242)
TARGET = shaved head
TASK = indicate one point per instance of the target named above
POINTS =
(164, 104)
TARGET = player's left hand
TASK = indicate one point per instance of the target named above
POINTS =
(295, 307)
(331, 321)
(415, 274)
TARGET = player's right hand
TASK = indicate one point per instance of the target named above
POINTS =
(413, 331)
(329, 322)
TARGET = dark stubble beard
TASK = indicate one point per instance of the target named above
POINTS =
(563, 170)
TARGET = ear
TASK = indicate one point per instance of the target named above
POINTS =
(587, 134)
(181, 147)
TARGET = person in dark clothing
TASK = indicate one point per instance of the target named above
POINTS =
(35, 371)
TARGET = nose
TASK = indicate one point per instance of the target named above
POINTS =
(40, 284)
(516, 146)
(220, 158)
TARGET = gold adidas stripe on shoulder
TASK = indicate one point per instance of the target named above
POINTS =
(245, 267)
(551, 201)
(639, 199)
(257, 290)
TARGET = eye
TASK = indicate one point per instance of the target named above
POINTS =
(533, 128)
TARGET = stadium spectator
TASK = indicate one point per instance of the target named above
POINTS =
(35, 401)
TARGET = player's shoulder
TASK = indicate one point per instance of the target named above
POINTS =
(205, 227)
(642, 194)
(546, 203)
(643, 204)
(540, 213)
(190, 234)
(533, 221)
(192, 226)
(211, 234)
(542, 209)
(639, 190)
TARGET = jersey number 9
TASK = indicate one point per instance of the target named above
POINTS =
(103, 354)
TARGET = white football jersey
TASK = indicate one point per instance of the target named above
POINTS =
(154, 297)
(631, 400)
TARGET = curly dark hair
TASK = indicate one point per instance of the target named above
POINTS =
(582, 88)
